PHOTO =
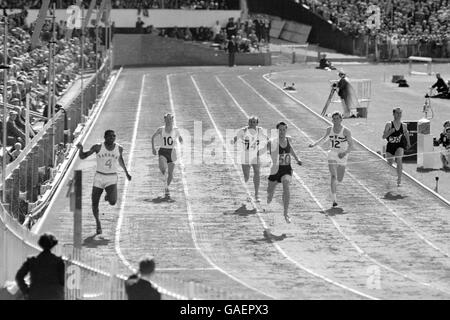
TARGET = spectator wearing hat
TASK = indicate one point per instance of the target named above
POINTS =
(12, 130)
(444, 140)
(324, 63)
(441, 87)
(46, 273)
(138, 286)
(232, 48)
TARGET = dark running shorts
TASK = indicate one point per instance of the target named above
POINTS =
(392, 147)
(282, 170)
(166, 153)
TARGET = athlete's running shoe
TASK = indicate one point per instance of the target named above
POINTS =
(334, 204)
(99, 230)
(267, 234)
(287, 217)
(167, 193)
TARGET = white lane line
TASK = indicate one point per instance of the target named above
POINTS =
(299, 265)
(117, 247)
(189, 210)
(361, 251)
(392, 211)
(125, 191)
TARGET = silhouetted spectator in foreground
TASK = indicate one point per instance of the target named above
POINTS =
(138, 286)
(46, 273)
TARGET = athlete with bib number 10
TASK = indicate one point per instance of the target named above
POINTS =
(167, 152)
(109, 155)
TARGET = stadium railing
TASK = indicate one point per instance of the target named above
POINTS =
(30, 175)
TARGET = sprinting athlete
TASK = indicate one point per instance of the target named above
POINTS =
(167, 152)
(397, 135)
(109, 155)
(341, 144)
(252, 138)
(281, 152)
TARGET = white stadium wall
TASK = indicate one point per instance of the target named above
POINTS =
(159, 18)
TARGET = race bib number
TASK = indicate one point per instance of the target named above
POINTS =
(396, 139)
(168, 141)
(108, 163)
(285, 159)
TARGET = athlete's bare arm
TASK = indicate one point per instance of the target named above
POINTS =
(348, 135)
(406, 133)
(388, 130)
(158, 132)
(83, 155)
(327, 133)
(233, 141)
(180, 138)
(122, 163)
(294, 154)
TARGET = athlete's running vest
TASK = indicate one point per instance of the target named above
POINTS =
(397, 136)
(250, 140)
(284, 154)
(168, 140)
(107, 161)
(338, 141)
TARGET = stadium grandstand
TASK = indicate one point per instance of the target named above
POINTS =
(168, 129)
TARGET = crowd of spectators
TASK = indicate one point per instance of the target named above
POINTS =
(417, 20)
(132, 4)
(28, 74)
(250, 35)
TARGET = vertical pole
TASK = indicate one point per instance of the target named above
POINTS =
(96, 50)
(82, 65)
(5, 101)
(27, 119)
(77, 212)
(53, 75)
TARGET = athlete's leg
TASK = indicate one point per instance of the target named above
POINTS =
(111, 192)
(246, 171)
(162, 164)
(163, 168)
(95, 197)
(399, 159)
(271, 190)
(171, 167)
(332, 166)
(340, 173)
(390, 158)
(256, 179)
(271, 216)
(286, 180)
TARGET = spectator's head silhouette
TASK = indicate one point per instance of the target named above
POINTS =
(47, 241)
(146, 266)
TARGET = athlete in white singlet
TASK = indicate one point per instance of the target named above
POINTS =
(341, 144)
(109, 157)
(169, 136)
(252, 140)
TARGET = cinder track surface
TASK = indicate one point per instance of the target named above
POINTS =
(399, 236)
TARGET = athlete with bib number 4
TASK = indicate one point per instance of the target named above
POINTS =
(167, 152)
(109, 155)
(341, 145)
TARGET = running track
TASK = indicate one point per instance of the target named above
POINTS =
(385, 243)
